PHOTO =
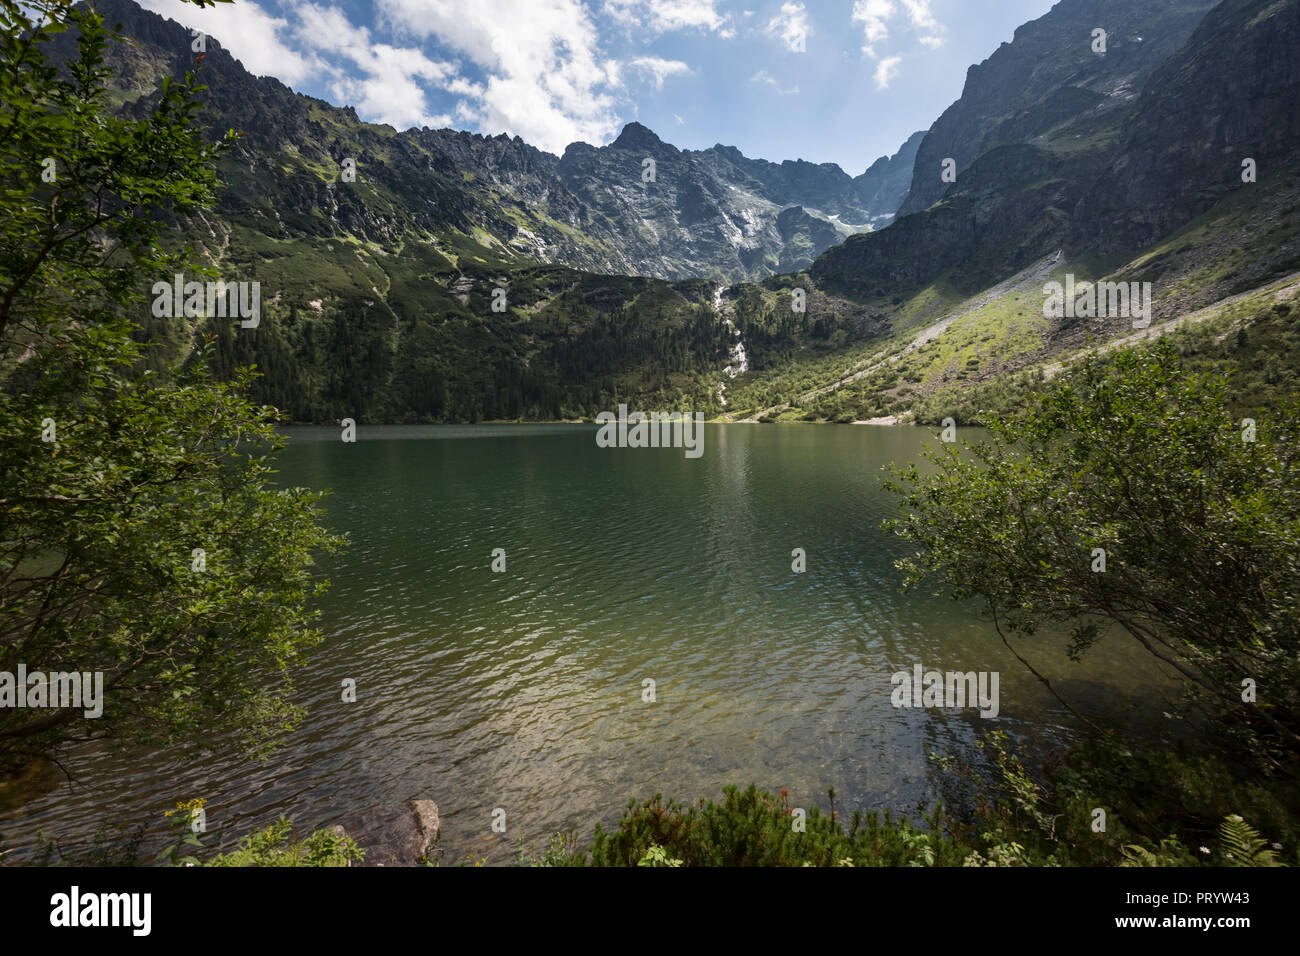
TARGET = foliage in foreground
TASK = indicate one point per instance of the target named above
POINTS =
(752, 827)
(275, 846)
(1129, 501)
(142, 537)
(1159, 810)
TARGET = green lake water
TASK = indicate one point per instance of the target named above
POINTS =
(523, 690)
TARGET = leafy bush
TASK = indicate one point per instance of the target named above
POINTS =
(1198, 523)
(1161, 809)
(275, 846)
(756, 828)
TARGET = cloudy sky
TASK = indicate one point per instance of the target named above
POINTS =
(840, 81)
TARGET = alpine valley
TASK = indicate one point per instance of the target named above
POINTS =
(747, 289)
(431, 464)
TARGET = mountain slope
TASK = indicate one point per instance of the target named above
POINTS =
(710, 213)
(379, 294)
(1108, 178)
(887, 181)
(1228, 95)
(1049, 74)
(1158, 198)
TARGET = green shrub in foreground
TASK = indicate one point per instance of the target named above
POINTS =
(275, 846)
(754, 828)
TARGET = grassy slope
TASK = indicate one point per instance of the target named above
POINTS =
(1248, 241)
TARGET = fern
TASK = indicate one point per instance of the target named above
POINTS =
(1135, 855)
(1170, 852)
(1241, 845)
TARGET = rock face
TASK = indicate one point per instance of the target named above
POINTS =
(883, 187)
(717, 212)
(870, 198)
(1058, 152)
(1004, 215)
(1049, 74)
(709, 213)
(403, 835)
(1231, 93)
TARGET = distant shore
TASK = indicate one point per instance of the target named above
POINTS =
(883, 420)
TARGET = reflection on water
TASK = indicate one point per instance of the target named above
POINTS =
(523, 690)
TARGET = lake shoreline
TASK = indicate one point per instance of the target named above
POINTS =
(887, 421)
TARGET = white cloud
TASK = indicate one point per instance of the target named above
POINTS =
(918, 11)
(791, 25)
(873, 14)
(247, 32)
(762, 76)
(384, 83)
(545, 78)
(658, 68)
(886, 70)
(663, 16)
(389, 89)
(680, 121)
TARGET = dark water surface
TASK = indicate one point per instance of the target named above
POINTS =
(523, 690)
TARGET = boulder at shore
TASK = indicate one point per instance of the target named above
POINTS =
(401, 835)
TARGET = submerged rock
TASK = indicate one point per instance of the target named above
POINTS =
(405, 834)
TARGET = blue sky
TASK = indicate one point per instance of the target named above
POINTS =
(841, 81)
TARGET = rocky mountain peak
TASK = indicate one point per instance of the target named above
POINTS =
(642, 139)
